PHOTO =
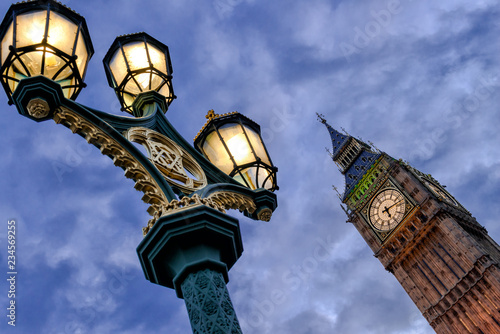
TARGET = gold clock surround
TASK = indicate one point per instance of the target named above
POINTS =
(382, 231)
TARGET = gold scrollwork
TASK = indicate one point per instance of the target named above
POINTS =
(153, 195)
(178, 167)
(220, 200)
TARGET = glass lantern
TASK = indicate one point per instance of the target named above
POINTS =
(44, 38)
(138, 63)
(233, 143)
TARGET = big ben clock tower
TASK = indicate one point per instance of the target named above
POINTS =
(444, 259)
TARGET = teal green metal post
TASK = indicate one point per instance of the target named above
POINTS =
(191, 251)
(208, 304)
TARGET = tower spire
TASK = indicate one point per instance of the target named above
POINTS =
(353, 156)
(338, 139)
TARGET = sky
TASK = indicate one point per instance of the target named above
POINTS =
(419, 79)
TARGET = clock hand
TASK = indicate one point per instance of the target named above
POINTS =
(386, 209)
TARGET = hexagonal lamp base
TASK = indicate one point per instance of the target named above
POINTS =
(191, 251)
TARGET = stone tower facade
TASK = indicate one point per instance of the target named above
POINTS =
(444, 259)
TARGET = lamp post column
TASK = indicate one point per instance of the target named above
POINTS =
(208, 303)
(191, 250)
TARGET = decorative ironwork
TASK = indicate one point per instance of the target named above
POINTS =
(134, 170)
(208, 303)
(172, 160)
(231, 200)
(38, 108)
(221, 200)
(176, 205)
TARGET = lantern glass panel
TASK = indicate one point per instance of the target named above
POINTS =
(237, 143)
(62, 33)
(157, 58)
(82, 54)
(17, 71)
(257, 145)
(254, 177)
(33, 62)
(136, 55)
(118, 67)
(215, 152)
(68, 91)
(128, 99)
(7, 41)
(165, 90)
(156, 81)
(30, 28)
(53, 66)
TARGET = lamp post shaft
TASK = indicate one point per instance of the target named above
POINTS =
(208, 303)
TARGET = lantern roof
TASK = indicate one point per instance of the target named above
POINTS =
(212, 117)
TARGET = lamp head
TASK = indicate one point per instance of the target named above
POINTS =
(233, 143)
(138, 63)
(44, 38)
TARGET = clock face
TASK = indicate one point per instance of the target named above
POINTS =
(387, 209)
(440, 192)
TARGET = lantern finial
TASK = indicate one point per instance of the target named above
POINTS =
(211, 115)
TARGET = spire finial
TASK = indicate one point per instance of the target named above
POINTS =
(373, 145)
(321, 118)
(329, 153)
(337, 191)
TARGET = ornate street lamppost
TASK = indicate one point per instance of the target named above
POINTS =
(189, 243)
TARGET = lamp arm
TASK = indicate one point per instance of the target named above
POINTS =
(158, 122)
(40, 99)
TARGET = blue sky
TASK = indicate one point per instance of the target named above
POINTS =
(420, 79)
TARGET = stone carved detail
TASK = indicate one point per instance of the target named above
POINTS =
(208, 303)
(170, 159)
(38, 108)
(153, 195)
